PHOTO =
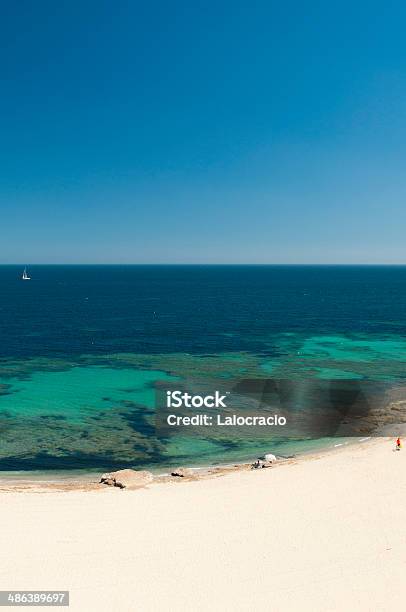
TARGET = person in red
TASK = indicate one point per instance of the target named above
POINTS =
(398, 444)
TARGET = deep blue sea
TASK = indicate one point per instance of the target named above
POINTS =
(81, 348)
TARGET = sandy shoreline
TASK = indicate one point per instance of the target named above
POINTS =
(321, 533)
(60, 481)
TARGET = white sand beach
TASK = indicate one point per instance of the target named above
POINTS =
(321, 534)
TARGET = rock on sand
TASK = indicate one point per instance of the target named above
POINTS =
(127, 479)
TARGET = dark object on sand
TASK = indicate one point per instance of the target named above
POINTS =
(181, 472)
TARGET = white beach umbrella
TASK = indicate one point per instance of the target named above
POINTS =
(270, 458)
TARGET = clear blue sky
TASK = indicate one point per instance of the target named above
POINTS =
(216, 131)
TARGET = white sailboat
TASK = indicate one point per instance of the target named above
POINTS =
(25, 275)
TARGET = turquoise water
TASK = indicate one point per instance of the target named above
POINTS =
(79, 392)
(82, 349)
(90, 415)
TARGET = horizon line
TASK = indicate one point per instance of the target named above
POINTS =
(383, 264)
